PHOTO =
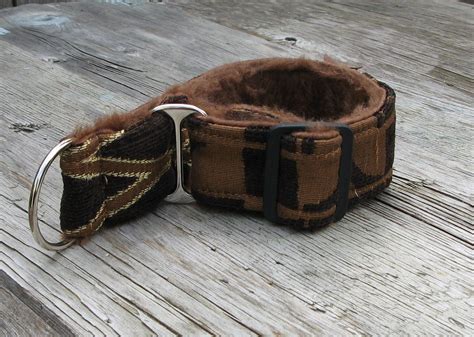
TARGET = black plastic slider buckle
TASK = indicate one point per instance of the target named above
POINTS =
(272, 168)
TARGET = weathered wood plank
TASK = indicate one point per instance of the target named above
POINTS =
(11, 3)
(26, 2)
(22, 315)
(6, 3)
(429, 65)
(386, 268)
(430, 68)
(48, 73)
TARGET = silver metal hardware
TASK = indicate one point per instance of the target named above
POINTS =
(178, 112)
(34, 198)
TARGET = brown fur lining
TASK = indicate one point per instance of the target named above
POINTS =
(264, 92)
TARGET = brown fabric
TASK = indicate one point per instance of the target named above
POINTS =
(114, 177)
(243, 100)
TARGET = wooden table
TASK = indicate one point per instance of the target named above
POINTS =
(399, 264)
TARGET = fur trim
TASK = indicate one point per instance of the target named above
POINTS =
(264, 92)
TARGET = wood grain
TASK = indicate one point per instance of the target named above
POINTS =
(429, 65)
(6, 3)
(22, 315)
(13, 3)
(395, 265)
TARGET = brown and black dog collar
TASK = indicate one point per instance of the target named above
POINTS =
(298, 140)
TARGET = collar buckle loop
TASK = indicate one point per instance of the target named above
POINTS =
(272, 167)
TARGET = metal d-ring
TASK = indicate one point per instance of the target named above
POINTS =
(178, 112)
(34, 198)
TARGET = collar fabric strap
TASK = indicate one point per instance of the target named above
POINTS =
(123, 166)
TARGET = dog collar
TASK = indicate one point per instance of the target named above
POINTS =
(298, 140)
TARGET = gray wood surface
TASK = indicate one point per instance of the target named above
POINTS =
(21, 314)
(12, 3)
(399, 264)
(6, 3)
